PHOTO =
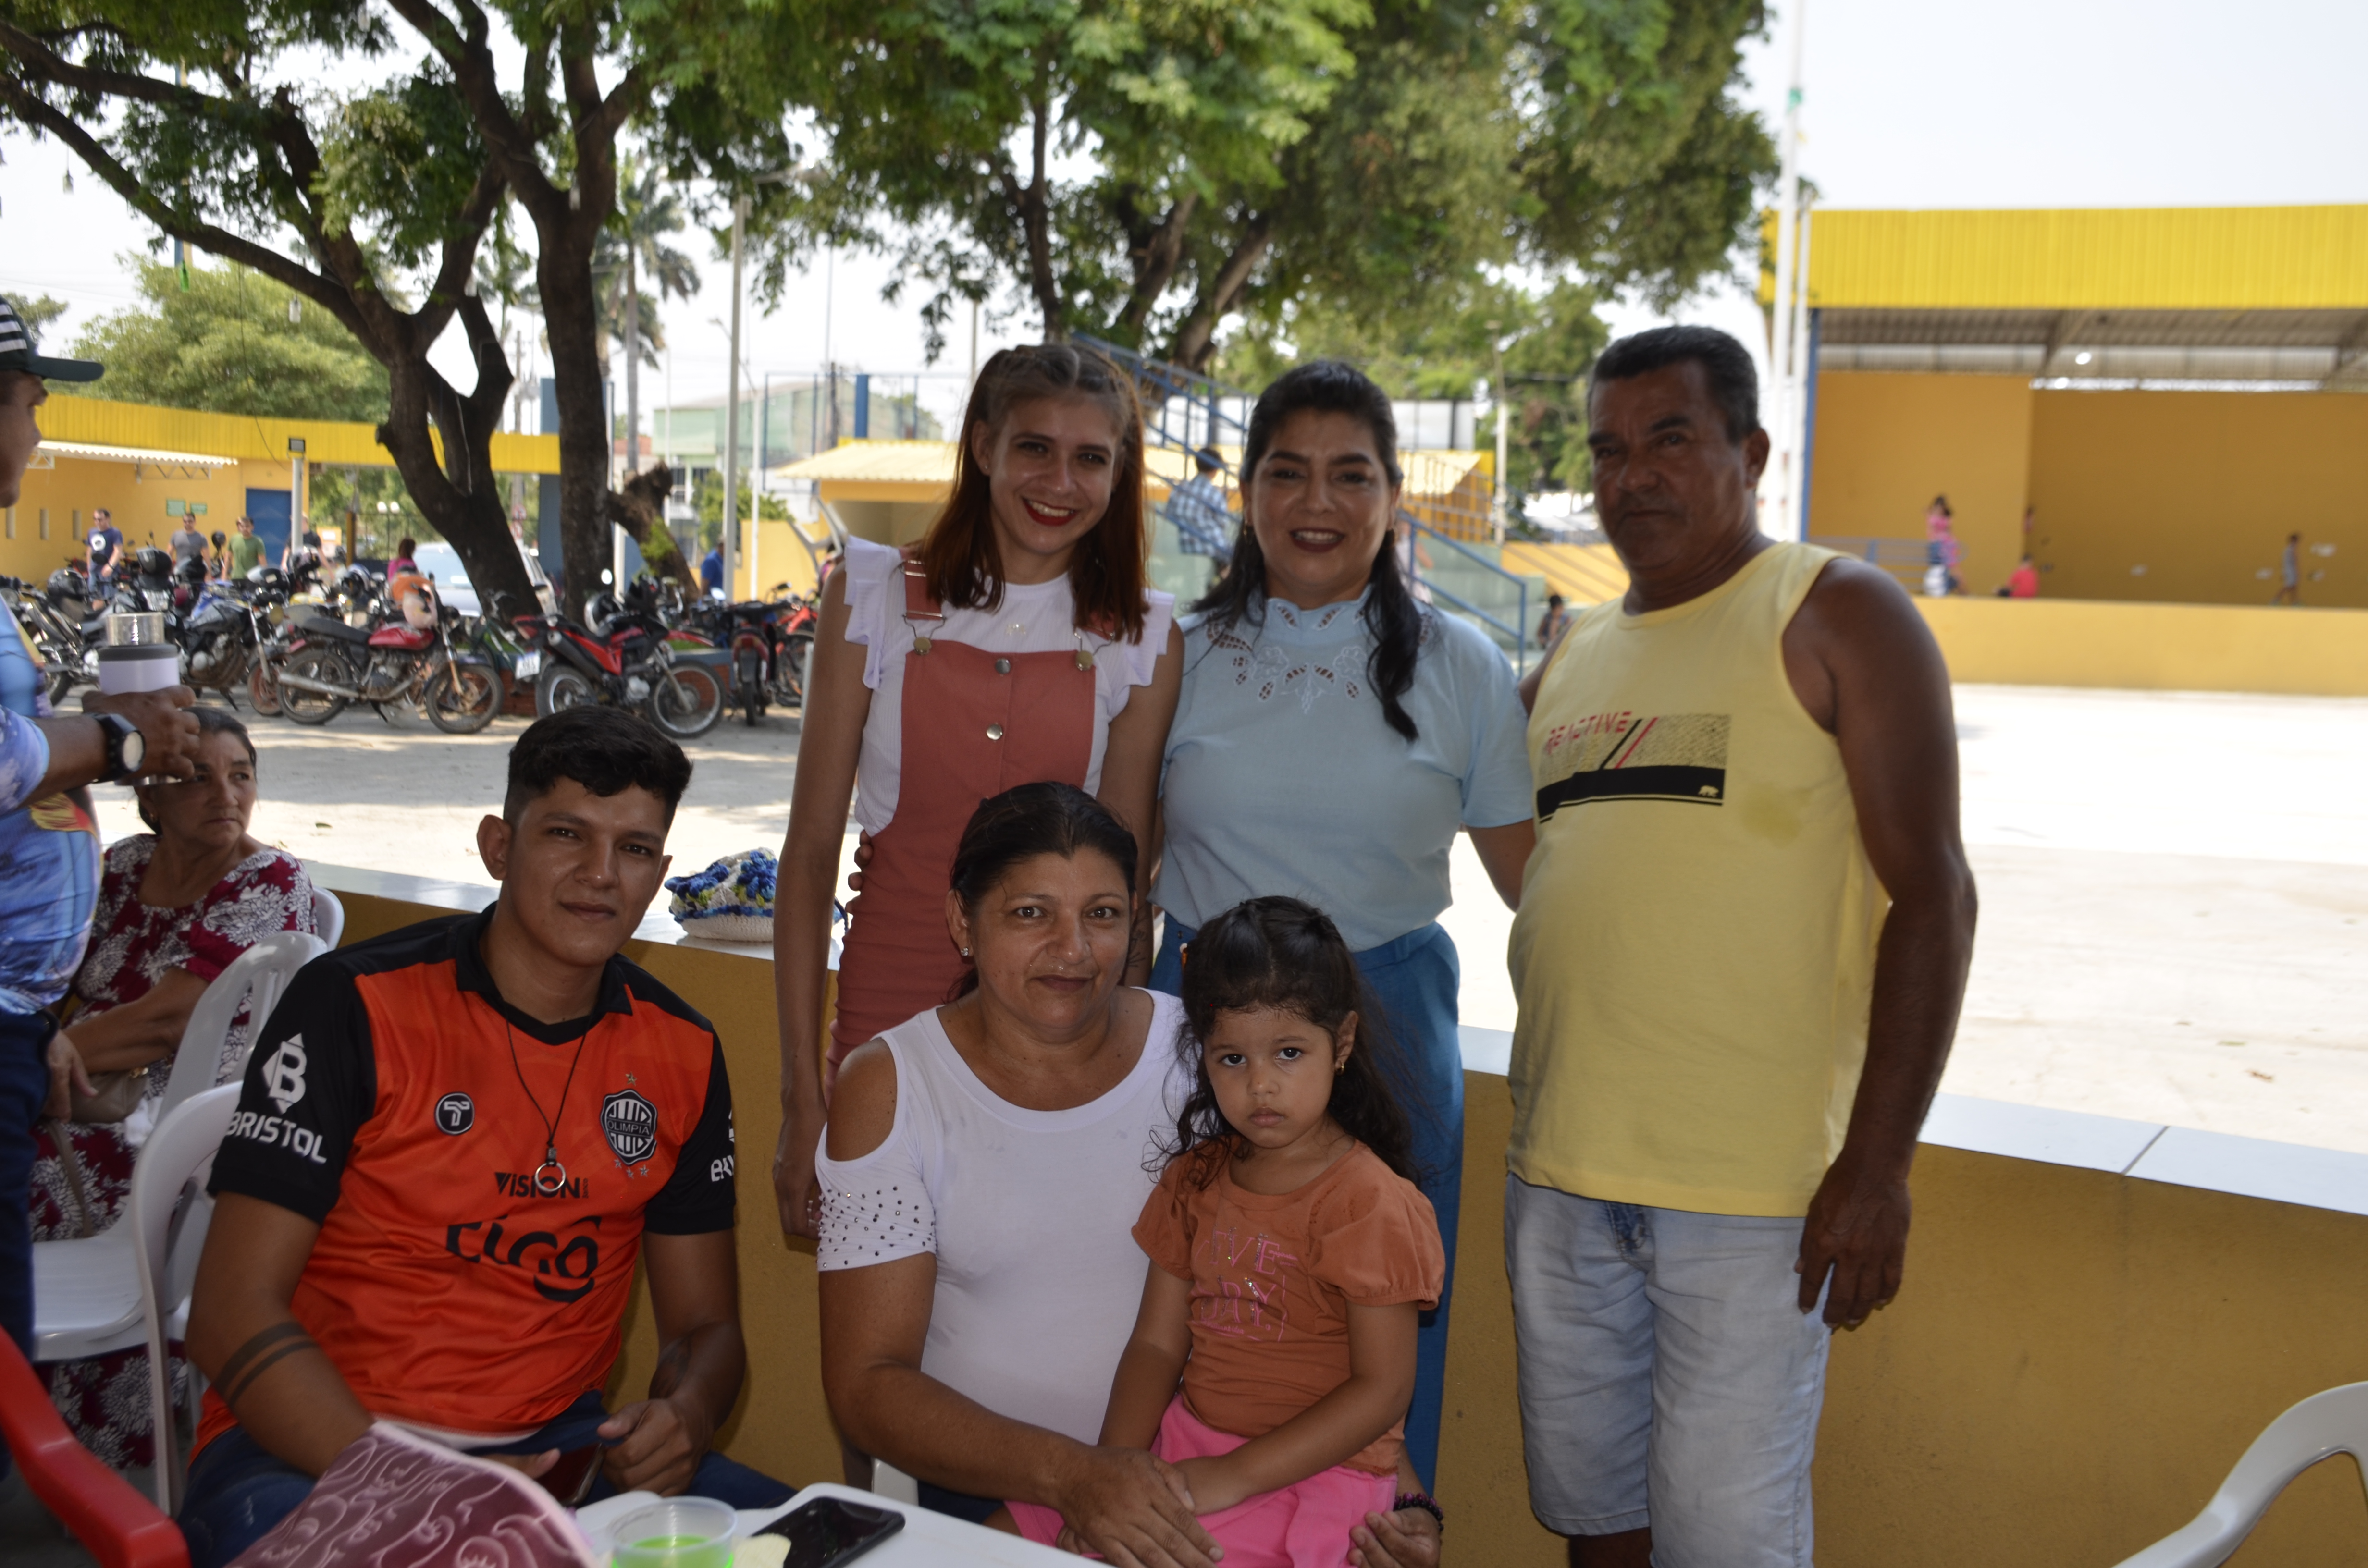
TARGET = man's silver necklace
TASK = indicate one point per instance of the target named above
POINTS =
(550, 1176)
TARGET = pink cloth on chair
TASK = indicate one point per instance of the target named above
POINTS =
(1302, 1526)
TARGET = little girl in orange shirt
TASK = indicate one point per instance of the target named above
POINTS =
(1291, 1254)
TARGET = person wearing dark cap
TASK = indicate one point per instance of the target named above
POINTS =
(48, 836)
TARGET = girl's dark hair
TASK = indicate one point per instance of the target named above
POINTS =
(1280, 953)
(1106, 574)
(1391, 616)
(1022, 823)
(211, 721)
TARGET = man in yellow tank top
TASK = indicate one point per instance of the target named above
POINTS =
(1740, 951)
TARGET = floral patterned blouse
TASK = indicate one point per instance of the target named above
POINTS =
(133, 945)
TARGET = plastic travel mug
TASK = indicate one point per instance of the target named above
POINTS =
(681, 1532)
(137, 656)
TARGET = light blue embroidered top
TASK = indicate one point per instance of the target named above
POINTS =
(1282, 776)
(48, 849)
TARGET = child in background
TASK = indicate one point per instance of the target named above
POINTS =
(1291, 1254)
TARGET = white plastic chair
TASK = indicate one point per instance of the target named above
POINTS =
(889, 1481)
(328, 916)
(129, 1285)
(257, 977)
(2335, 1422)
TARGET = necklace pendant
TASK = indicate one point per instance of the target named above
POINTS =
(550, 1176)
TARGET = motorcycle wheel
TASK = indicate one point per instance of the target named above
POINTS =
(322, 665)
(560, 687)
(684, 701)
(262, 688)
(789, 667)
(462, 699)
(61, 683)
(751, 685)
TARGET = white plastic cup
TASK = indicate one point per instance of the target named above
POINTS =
(681, 1532)
(137, 656)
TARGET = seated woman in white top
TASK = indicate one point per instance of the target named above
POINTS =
(981, 1174)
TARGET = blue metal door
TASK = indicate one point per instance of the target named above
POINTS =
(268, 509)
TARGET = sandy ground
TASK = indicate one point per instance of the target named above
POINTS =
(2174, 886)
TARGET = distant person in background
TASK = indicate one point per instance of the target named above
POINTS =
(309, 540)
(2290, 573)
(711, 571)
(2024, 584)
(1940, 549)
(1550, 624)
(246, 550)
(218, 555)
(405, 550)
(188, 541)
(1203, 525)
(106, 546)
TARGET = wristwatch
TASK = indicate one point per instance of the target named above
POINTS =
(127, 748)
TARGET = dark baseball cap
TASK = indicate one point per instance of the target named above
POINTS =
(17, 353)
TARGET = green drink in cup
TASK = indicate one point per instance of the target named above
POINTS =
(681, 1532)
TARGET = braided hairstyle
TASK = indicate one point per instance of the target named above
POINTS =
(1282, 953)
(1392, 618)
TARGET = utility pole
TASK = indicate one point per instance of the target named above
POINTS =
(1781, 324)
(1504, 413)
(730, 513)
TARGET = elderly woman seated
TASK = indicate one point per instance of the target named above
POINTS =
(176, 905)
(982, 1172)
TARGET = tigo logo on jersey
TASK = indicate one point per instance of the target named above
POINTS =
(632, 1125)
(455, 1114)
(283, 1076)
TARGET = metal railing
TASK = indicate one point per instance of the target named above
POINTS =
(1162, 386)
(1905, 559)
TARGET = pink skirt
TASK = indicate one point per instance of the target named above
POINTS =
(1303, 1526)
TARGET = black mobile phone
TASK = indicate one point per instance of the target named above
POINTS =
(570, 1480)
(829, 1531)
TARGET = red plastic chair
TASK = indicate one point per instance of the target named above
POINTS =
(106, 1513)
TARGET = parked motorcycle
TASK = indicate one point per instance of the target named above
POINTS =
(771, 643)
(330, 665)
(627, 656)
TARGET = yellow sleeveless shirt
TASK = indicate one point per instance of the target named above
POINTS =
(1694, 953)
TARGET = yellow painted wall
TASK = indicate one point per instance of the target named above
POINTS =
(2075, 1362)
(2142, 647)
(779, 558)
(69, 418)
(134, 494)
(2199, 488)
(1887, 444)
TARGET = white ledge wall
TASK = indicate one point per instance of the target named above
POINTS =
(2247, 1167)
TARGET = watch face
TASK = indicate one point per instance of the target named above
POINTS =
(134, 751)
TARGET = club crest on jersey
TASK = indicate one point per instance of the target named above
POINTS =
(630, 1123)
(455, 1114)
(283, 1075)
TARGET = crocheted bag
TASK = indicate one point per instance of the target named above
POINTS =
(732, 900)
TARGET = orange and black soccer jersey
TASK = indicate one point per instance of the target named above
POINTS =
(395, 1099)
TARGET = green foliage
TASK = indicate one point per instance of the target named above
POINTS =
(37, 311)
(228, 346)
(1152, 170)
(707, 501)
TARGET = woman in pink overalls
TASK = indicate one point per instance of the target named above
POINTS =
(1016, 642)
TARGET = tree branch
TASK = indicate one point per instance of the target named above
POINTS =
(1196, 337)
(1155, 267)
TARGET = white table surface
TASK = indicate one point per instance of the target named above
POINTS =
(927, 1539)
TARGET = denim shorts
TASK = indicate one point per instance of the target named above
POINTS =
(1668, 1377)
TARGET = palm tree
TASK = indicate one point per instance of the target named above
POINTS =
(633, 247)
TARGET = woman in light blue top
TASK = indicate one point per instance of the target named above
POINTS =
(1333, 737)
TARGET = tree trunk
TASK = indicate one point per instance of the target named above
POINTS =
(640, 509)
(632, 365)
(1195, 342)
(571, 321)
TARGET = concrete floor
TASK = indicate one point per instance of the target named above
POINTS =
(2174, 886)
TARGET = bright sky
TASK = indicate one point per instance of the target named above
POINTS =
(2009, 103)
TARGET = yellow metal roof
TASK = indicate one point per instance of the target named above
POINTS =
(89, 451)
(879, 462)
(2175, 258)
(144, 428)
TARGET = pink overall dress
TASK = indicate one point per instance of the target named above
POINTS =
(975, 724)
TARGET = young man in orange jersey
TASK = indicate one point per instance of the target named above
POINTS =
(453, 1143)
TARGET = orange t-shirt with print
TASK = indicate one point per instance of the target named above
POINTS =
(1273, 1279)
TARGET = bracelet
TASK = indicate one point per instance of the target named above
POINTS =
(1424, 1501)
